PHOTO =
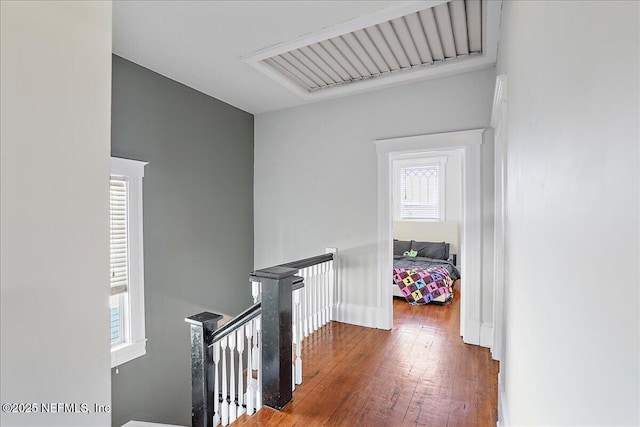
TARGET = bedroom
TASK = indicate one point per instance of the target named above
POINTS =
(426, 201)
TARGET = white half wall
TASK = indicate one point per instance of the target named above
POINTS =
(572, 233)
(316, 173)
(54, 217)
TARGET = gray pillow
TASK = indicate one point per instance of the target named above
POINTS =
(401, 246)
(431, 249)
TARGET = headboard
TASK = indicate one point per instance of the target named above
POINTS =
(428, 231)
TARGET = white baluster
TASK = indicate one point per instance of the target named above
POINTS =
(316, 298)
(224, 405)
(255, 350)
(255, 290)
(331, 289)
(298, 334)
(325, 293)
(294, 338)
(296, 306)
(307, 302)
(321, 284)
(249, 399)
(293, 370)
(303, 302)
(233, 413)
(259, 380)
(311, 299)
(240, 346)
(216, 382)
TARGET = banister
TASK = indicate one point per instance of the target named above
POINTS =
(268, 323)
(239, 320)
(250, 313)
(308, 262)
(303, 263)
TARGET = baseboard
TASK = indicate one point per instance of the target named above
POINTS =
(471, 333)
(358, 315)
(486, 335)
(503, 413)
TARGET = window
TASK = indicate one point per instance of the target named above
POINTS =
(419, 189)
(126, 268)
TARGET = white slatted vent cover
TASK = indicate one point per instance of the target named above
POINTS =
(441, 33)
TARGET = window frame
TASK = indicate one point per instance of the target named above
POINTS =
(400, 164)
(135, 343)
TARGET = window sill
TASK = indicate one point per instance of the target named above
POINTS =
(126, 352)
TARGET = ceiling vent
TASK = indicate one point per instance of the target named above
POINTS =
(415, 40)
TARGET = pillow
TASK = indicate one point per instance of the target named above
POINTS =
(431, 249)
(401, 246)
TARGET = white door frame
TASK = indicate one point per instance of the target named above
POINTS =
(471, 225)
(499, 125)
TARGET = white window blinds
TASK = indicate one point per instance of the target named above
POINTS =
(420, 192)
(119, 269)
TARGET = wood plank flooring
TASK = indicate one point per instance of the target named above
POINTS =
(418, 374)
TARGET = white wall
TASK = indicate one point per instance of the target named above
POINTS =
(572, 223)
(316, 172)
(56, 106)
(429, 231)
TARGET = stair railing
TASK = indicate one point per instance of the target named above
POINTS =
(255, 358)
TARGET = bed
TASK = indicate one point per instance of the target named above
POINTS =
(423, 272)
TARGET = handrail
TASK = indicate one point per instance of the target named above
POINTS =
(239, 320)
(246, 316)
(303, 263)
(308, 262)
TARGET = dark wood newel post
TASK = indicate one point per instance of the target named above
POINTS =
(202, 327)
(276, 335)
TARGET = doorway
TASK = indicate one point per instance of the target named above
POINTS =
(468, 143)
(427, 207)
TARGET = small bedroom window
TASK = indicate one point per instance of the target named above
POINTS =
(419, 189)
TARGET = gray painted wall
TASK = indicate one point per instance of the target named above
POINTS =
(198, 227)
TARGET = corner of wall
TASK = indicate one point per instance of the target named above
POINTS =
(486, 335)
(358, 315)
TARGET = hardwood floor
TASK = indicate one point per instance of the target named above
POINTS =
(420, 373)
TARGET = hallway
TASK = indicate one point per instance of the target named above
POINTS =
(421, 373)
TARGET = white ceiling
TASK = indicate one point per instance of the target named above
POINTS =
(201, 43)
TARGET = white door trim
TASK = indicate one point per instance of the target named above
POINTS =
(499, 123)
(471, 228)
